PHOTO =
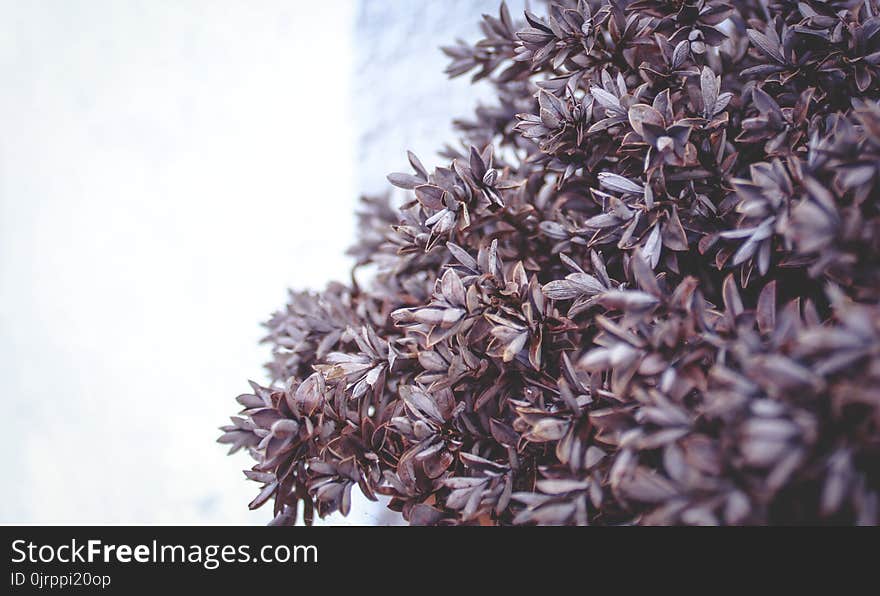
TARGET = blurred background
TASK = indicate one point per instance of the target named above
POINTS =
(167, 170)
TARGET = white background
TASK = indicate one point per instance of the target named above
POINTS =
(167, 169)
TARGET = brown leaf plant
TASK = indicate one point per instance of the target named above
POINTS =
(643, 291)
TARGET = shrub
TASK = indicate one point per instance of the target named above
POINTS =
(645, 291)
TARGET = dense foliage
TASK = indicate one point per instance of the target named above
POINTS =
(645, 291)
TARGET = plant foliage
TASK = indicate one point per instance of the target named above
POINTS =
(644, 291)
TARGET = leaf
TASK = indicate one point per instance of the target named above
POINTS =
(640, 113)
(765, 103)
(417, 165)
(647, 486)
(674, 237)
(406, 181)
(709, 88)
(652, 247)
(462, 256)
(681, 53)
(574, 285)
(766, 45)
(548, 429)
(431, 196)
(732, 302)
(421, 404)
(644, 275)
(605, 99)
(618, 183)
(553, 106)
